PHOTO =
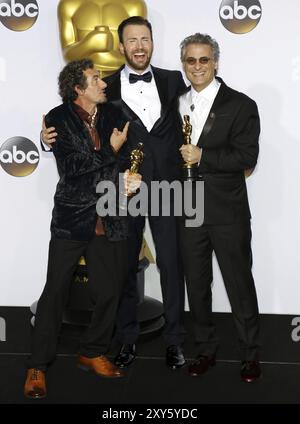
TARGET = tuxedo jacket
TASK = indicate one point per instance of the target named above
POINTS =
(161, 145)
(229, 143)
(80, 169)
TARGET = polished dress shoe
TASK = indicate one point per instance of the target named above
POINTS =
(126, 355)
(250, 371)
(100, 366)
(201, 365)
(35, 384)
(174, 357)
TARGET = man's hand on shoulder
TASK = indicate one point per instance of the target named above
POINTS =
(48, 134)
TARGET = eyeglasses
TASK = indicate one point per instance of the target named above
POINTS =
(193, 60)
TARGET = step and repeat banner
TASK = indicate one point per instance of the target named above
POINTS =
(260, 55)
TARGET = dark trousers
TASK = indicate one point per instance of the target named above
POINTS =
(106, 268)
(232, 246)
(165, 236)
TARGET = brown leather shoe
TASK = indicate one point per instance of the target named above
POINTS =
(100, 365)
(250, 371)
(35, 384)
(201, 365)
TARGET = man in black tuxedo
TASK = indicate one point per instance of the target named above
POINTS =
(225, 132)
(147, 97)
(86, 153)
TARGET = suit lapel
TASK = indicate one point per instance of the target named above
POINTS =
(114, 86)
(178, 108)
(162, 88)
(79, 123)
(114, 97)
(208, 124)
(129, 114)
(220, 99)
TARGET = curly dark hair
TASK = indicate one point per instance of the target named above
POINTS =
(72, 75)
(133, 20)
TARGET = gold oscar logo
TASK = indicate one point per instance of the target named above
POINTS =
(18, 15)
(19, 156)
(89, 28)
(240, 16)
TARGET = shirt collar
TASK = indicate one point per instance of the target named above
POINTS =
(84, 115)
(207, 93)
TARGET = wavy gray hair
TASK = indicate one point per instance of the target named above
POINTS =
(200, 39)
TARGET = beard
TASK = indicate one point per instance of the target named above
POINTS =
(138, 66)
(103, 99)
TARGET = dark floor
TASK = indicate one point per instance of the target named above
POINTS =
(148, 381)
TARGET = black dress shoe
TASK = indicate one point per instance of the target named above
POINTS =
(201, 365)
(250, 371)
(126, 356)
(174, 357)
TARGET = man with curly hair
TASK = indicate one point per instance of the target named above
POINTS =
(86, 152)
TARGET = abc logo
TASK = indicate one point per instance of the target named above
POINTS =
(240, 16)
(19, 156)
(18, 15)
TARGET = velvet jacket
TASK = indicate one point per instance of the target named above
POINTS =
(229, 143)
(80, 169)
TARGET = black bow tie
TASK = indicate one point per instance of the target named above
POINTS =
(147, 77)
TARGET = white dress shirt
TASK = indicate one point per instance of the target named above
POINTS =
(197, 105)
(142, 97)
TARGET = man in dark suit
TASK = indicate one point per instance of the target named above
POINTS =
(146, 95)
(86, 153)
(225, 131)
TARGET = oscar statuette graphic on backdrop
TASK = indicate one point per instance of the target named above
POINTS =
(89, 30)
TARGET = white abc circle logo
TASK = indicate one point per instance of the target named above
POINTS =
(18, 15)
(19, 156)
(240, 16)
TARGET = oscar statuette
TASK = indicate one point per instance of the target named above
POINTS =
(136, 158)
(189, 170)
